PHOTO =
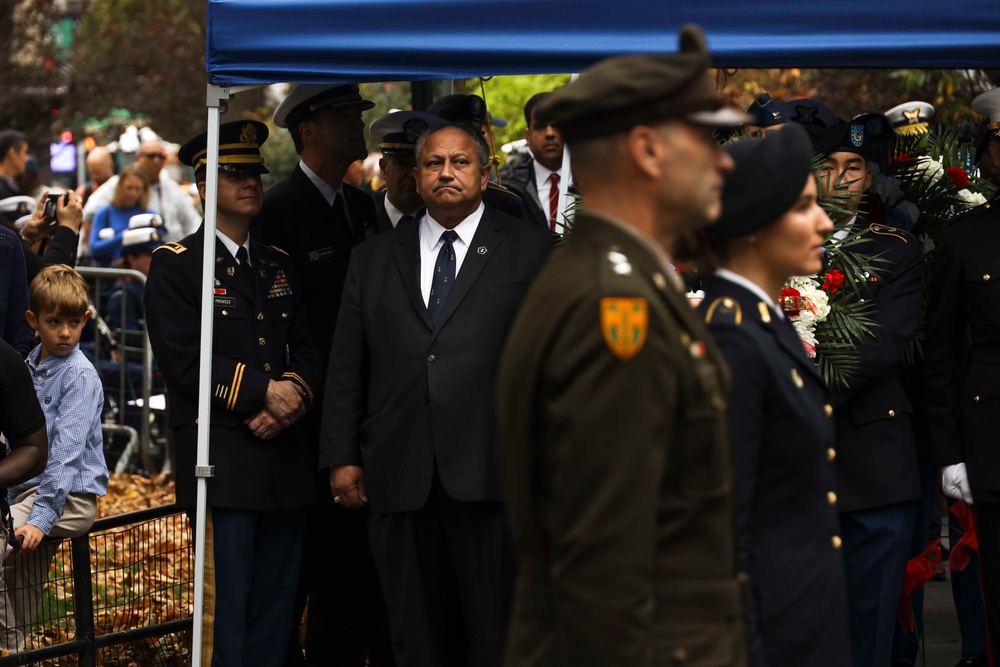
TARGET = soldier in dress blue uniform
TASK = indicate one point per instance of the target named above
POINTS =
(263, 374)
(781, 421)
(962, 364)
(876, 462)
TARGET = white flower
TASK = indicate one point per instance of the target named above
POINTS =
(888, 189)
(931, 168)
(971, 198)
(814, 306)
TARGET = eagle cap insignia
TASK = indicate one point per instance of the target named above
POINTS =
(248, 135)
(414, 128)
(624, 325)
(912, 116)
(806, 115)
(857, 135)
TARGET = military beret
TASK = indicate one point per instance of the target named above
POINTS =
(306, 98)
(768, 179)
(859, 135)
(813, 115)
(766, 111)
(239, 148)
(624, 91)
(910, 117)
(459, 109)
(396, 133)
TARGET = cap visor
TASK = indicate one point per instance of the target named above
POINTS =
(724, 117)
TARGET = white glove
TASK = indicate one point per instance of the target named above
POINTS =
(955, 482)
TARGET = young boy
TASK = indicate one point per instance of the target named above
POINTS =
(62, 500)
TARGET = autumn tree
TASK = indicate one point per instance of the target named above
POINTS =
(147, 57)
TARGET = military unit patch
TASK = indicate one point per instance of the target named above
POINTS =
(280, 286)
(624, 325)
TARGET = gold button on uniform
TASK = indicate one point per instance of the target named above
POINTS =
(831, 454)
(835, 541)
(892, 413)
(986, 277)
(828, 410)
(225, 312)
(262, 341)
(284, 315)
(975, 398)
(260, 316)
(831, 498)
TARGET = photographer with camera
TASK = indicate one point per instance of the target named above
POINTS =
(51, 234)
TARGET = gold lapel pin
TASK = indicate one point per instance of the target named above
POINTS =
(230, 270)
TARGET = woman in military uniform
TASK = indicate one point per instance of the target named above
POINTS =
(772, 228)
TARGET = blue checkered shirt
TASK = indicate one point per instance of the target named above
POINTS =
(70, 393)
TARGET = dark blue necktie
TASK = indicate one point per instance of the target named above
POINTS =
(444, 276)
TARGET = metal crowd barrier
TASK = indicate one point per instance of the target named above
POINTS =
(120, 595)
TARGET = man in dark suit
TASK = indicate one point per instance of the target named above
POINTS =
(318, 219)
(263, 373)
(396, 134)
(13, 161)
(612, 396)
(537, 179)
(876, 464)
(408, 423)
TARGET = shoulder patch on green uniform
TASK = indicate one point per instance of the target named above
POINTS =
(724, 309)
(624, 325)
(173, 247)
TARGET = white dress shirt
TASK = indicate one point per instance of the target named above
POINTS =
(544, 187)
(395, 215)
(430, 246)
(232, 246)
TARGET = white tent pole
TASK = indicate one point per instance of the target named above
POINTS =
(215, 101)
(202, 469)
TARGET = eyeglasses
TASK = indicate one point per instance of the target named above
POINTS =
(153, 156)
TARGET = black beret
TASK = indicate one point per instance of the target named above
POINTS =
(239, 148)
(813, 115)
(859, 135)
(624, 91)
(770, 174)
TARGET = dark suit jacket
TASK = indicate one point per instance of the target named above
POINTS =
(962, 351)
(876, 451)
(296, 218)
(618, 474)
(521, 180)
(259, 336)
(403, 397)
(782, 432)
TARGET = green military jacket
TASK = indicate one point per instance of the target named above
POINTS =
(616, 466)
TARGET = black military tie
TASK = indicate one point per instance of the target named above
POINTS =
(444, 276)
(245, 270)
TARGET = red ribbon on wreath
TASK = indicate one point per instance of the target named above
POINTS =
(919, 570)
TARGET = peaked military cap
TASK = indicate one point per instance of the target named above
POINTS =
(239, 148)
(459, 109)
(306, 98)
(910, 117)
(987, 105)
(142, 234)
(766, 111)
(396, 133)
(624, 91)
(768, 179)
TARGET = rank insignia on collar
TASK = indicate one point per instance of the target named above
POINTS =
(624, 325)
(230, 271)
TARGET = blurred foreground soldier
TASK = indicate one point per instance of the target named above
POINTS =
(396, 135)
(470, 111)
(771, 229)
(962, 364)
(409, 421)
(263, 372)
(318, 219)
(612, 396)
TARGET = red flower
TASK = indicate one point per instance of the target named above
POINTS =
(905, 158)
(832, 281)
(790, 301)
(958, 176)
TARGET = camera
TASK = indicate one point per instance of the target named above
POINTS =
(51, 202)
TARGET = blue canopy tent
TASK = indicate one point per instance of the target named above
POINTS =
(256, 42)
